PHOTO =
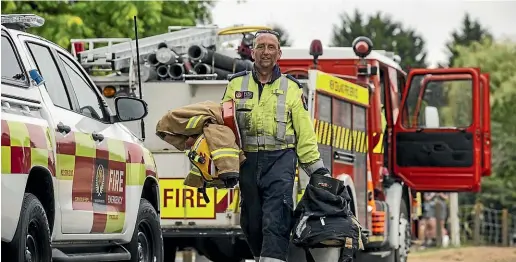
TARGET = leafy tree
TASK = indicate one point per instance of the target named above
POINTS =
(470, 31)
(385, 34)
(284, 36)
(65, 20)
(495, 58)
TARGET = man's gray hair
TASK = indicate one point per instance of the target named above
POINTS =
(277, 38)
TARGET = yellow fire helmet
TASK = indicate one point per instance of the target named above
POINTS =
(200, 157)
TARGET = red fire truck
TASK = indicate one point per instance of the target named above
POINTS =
(390, 139)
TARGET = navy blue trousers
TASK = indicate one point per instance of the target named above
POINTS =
(266, 184)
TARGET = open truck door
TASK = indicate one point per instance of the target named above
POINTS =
(441, 140)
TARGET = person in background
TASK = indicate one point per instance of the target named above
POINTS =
(433, 201)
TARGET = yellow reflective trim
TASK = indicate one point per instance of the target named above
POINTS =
(49, 140)
(225, 149)
(337, 136)
(346, 138)
(85, 145)
(325, 130)
(115, 222)
(147, 157)
(364, 143)
(334, 135)
(39, 157)
(65, 166)
(19, 134)
(328, 138)
(359, 142)
(6, 160)
(320, 132)
(117, 151)
(193, 121)
(195, 173)
(378, 149)
(135, 174)
(224, 155)
(355, 134)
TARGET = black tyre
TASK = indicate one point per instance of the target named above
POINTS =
(147, 242)
(31, 242)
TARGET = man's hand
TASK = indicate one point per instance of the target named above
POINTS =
(230, 182)
(323, 171)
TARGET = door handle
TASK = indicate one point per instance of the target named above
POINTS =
(438, 147)
(62, 128)
(97, 137)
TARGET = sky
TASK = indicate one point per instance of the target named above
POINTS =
(305, 20)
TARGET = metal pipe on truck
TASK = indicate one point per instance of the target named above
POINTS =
(162, 71)
(147, 73)
(166, 56)
(152, 59)
(176, 71)
(204, 55)
(202, 69)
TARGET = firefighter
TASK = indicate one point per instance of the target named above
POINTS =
(276, 130)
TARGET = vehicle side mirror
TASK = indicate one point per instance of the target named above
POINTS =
(130, 109)
(431, 117)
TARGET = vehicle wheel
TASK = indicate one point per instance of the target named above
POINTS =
(401, 254)
(31, 242)
(147, 242)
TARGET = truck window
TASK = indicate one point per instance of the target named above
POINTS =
(342, 119)
(360, 170)
(324, 127)
(11, 69)
(455, 111)
(53, 79)
(89, 102)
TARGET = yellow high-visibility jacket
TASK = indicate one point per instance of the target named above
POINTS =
(277, 120)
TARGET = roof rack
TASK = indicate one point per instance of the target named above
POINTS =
(22, 21)
(119, 54)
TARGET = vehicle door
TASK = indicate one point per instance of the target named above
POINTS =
(74, 158)
(441, 147)
(119, 167)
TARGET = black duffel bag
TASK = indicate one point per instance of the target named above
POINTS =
(324, 219)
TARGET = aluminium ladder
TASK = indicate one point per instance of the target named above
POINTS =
(120, 55)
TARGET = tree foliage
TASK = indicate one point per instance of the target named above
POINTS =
(385, 33)
(284, 36)
(65, 20)
(497, 59)
(470, 31)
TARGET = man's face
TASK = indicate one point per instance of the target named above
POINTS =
(266, 51)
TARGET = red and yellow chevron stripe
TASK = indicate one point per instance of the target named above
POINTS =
(340, 137)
